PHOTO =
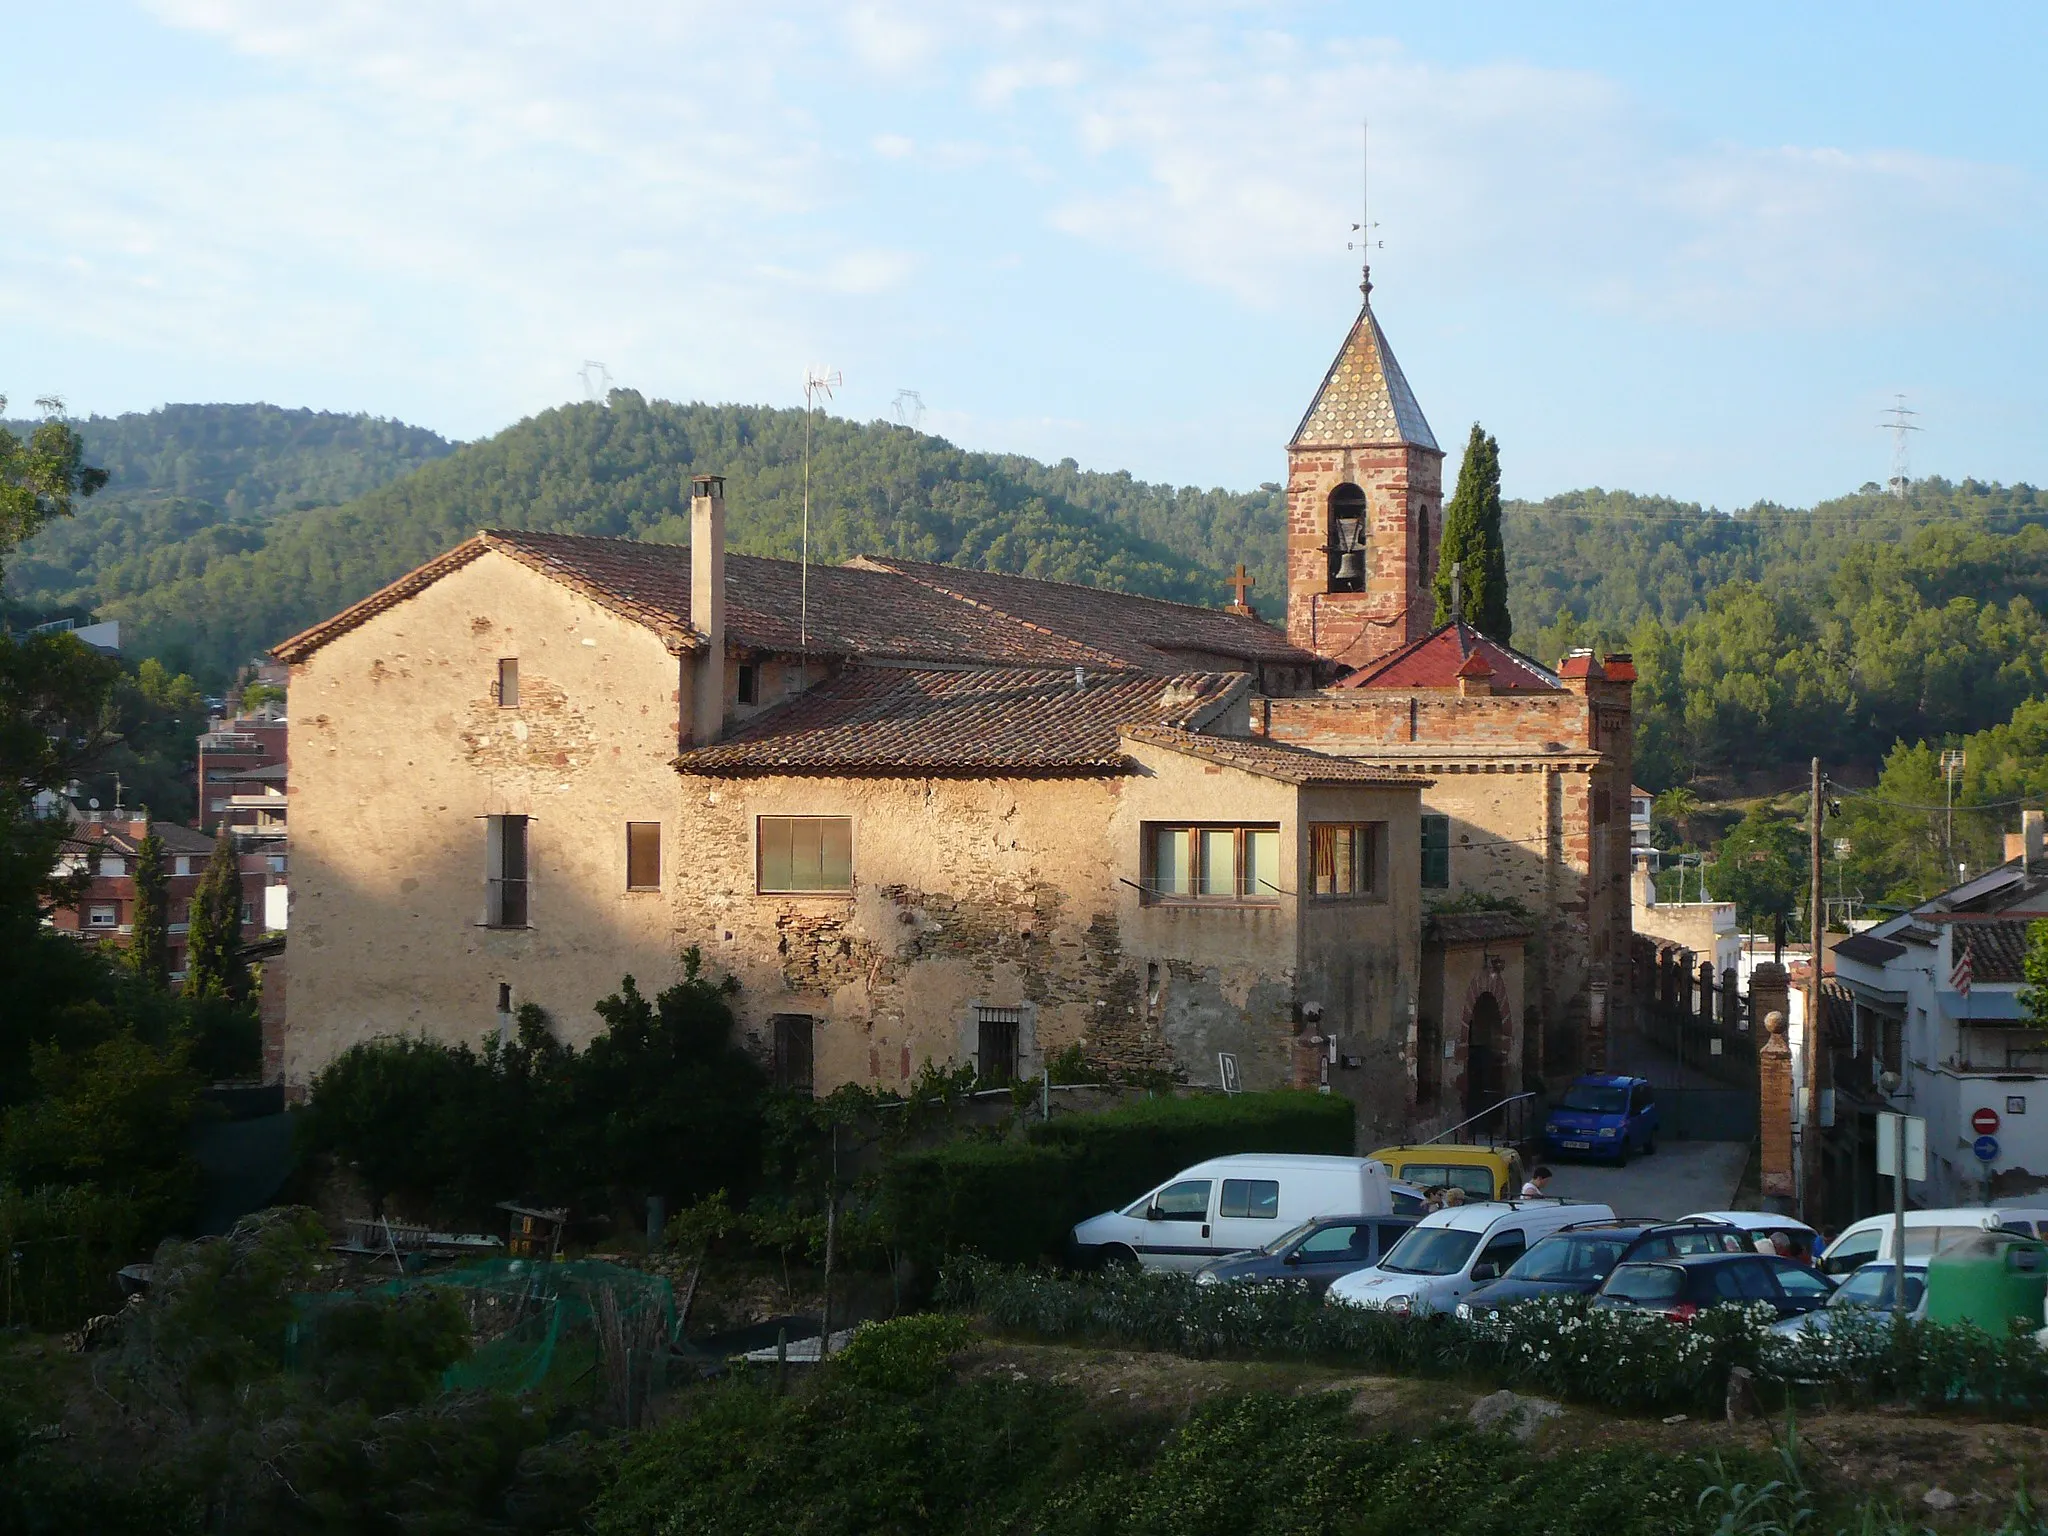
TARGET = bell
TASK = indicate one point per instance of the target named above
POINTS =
(1351, 566)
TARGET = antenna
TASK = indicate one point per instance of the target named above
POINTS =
(1895, 423)
(1363, 229)
(909, 408)
(817, 382)
(597, 381)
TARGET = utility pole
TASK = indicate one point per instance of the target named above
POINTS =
(1809, 1043)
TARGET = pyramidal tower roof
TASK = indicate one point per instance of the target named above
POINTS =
(1365, 400)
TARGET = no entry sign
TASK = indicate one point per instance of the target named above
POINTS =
(1985, 1122)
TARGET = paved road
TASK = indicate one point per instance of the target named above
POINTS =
(1679, 1178)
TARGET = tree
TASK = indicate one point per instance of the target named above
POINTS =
(1761, 867)
(149, 943)
(213, 943)
(1472, 543)
(2034, 966)
(1675, 808)
(41, 476)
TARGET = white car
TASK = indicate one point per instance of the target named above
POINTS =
(1452, 1252)
(1927, 1232)
(1761, 1224)
(1230, 1204)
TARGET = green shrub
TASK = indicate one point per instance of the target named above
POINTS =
(60, 1247)
(906, 1355)
(1016, 1202)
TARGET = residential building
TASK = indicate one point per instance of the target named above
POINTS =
(107, 851)
(241, 776)
(1927, 1019)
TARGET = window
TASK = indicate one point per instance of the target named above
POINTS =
(792, 1063)
(1436, 853)
(1503, 1248)
(102, 917)
(183, 866)
(1475, 1181)
(112, 868)
(1340, 1242)
(749, 685)
(1923, 1242)
(1346, 542)
(504, 997)
(1852, 1253)
(505, 874)
(248, 912)
(995, 1044)
(1345, 857)
(277, 863)
(1187, 1200)
(643, 855)
(1212, 863)
(508, 683)
(804, 853)
(1799, 1283)
(1253, 1199)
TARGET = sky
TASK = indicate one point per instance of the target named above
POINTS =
(1680, 250)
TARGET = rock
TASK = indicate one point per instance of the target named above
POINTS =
(1511, 1413)
(1676, 1418)
(1940, 1500)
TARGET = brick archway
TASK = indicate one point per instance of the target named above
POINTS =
(1487, 1024)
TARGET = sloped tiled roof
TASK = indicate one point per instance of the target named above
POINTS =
(119, 837)
(903, 611)
(1271, 759)
(1365, 400)
(1998, 950)
(1136, 630)
(1016, 720)
(1437, 659)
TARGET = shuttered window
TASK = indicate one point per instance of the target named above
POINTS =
(643, 855)
(1436, 853)
(798, 854)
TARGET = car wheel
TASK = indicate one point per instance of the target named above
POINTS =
(1649, 1144)
(1621, 1155)
(1117, 1256)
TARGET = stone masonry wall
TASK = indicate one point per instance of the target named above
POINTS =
(1403, 491)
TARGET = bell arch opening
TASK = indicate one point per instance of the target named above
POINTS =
(1346, 542)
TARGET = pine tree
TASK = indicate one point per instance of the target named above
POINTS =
(1472, 542)
(213, 942)
(149, 943)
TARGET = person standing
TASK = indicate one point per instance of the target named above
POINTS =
(1538, 1183)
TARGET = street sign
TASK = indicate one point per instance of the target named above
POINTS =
(1916, 1145)
(1985, 1121)
(1986, 1148)
(1226, 1069)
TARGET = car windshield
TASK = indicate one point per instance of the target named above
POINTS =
(1872, 1286)
(1570, 1256)
(1289, 1236)
(1431, 1251)
(1645, 1282)
(1595, 1099)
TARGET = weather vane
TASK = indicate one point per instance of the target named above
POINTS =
(1364, 243)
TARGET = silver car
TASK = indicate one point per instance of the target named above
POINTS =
(1869, 1289)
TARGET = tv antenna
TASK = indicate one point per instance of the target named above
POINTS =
(597, 381)
(818, 384)
(909, 408)
(1895, 422)
(1364, 243)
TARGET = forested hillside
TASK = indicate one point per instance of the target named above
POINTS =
(191, 484)
(623, 469)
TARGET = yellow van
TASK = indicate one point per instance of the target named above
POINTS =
(1484, 1173)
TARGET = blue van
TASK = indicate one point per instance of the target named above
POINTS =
(1602, 1115)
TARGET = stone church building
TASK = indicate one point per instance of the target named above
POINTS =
(931, 814)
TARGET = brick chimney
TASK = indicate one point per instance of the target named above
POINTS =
(1475, 678)
(2025, 844)
(707, 606)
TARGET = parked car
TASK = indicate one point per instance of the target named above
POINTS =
(1927, 1232)
(1452, 1252)
(1602, 1115)
(1318, 1251)
(1871, 1289)
(1576, 1259)
(1483, 1173)
(1229, 1205)
(1760, 1225)
(1681, 1289)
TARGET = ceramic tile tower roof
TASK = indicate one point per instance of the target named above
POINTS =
(1364, 400)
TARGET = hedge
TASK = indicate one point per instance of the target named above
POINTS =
(1015, 1201)
(1622, 1361)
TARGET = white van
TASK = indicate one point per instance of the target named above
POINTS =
(1452, 1252)
(1870, 1240)
(1229, 1204)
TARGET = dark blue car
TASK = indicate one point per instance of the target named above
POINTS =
(1577, 1260)
(1602, 1115)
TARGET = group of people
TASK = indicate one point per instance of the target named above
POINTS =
(1437, 1197)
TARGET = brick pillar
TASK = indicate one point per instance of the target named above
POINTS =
(1774, 1112)
(1705, 1011)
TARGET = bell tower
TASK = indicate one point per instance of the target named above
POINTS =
(1364, 507)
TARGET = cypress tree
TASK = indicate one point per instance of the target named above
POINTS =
(1472, 540)
(213, 942)
(149, 942)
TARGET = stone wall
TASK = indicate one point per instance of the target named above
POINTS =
(399, 751)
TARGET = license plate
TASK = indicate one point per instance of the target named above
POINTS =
(1578, 1146)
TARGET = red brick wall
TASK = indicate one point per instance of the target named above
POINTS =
(1403, 488)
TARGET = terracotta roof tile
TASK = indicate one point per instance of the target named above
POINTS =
(1444, 655)
(1998, 950)
(904, 610)
(1271, 759)
(993, 720)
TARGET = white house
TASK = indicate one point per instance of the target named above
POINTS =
(1955, 1035)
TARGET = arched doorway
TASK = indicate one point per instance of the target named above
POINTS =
(1484, 1060)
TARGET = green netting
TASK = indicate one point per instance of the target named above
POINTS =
(533, 1324)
